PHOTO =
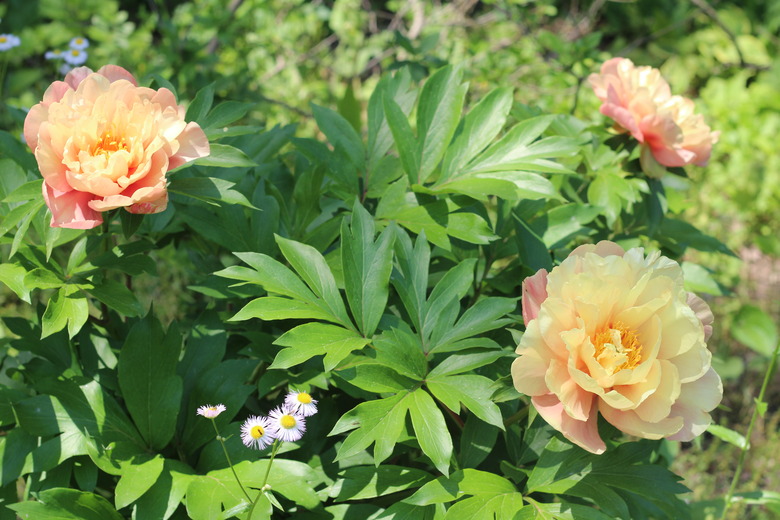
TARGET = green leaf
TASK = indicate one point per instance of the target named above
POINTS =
(341, 134)
(136, 480)
(728, 435)
(608, 191)
(118, 297)
(147, 377)
(562, 223)
(166, 494)
(316, 339)
(380, 421)
(487, 314)
(476, 442)
(224, 156)
(361, 482)
(67, 504)
(405, 140)
(276, 308)
(755, 329)
(19, 152)
(13, 276)
(459, 362)
(226, 113)
(451, 288)
(367, 266)
(398, 88)
(411, 278)
(463, 482)
(472, 390)
(200, 105)
(401, 350)
(430, 429)
(27, 191)
(438, 113)
(531, 248)
(486, 507)
(311, 266)
(699, 280)
(67, 307)
(479, 128)
(209, 189)
(376, 378)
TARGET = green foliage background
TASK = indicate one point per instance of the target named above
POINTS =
(288, 76)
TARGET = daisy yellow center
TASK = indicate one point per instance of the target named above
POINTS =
(287, 421)
(257, 431)
(3, 39)
(79, 41)
(75, 52)
(617, 348)
(109, 144)
(304, 398)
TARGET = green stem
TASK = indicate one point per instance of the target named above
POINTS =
(275, 448)
(230, 463)
(746, 446)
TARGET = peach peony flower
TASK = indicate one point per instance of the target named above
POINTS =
(614, 332)
(640, 102)
(102, 142)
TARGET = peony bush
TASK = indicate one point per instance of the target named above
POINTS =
(487, 302)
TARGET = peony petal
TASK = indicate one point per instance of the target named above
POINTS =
(629, 422)
(696, 399)
(534, 293)
(76, 76)
(115, 73)
(703, 312)
(70, 209)
(584, 434)
(193, 144)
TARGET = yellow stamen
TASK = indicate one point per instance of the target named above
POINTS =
(287, 421)
(617, 348)
(3, 39)
(256, 432)
(109, 144)
(304, 398)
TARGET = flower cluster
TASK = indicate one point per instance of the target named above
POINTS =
(102, 142)
(75, 54)
(640, 101)
(8, 42)
(285, 423)
(614, 332)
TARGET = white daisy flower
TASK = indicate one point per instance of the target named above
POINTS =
(9, 41)
(53, 55)
(256, 432)
(210, 412)
(301, 402)
(79, 43)
(287, 424)
(75, 56)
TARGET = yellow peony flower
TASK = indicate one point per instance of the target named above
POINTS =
(102, 142)
(615, 332)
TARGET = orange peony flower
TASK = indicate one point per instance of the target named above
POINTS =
(640, 102)
(102, 142)
(614, 332)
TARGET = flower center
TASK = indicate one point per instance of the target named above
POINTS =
(287, 421)
(617, 348)
(3, 39)
(304, 398)
(256, 432)
(75, 52)
(109, 144)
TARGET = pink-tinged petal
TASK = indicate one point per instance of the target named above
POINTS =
(115, 73)
(76, 76)
(71, 209)
(156, 204)
(32, 123)
(584, 434)
(703, 312)
(576, 401)
(658, 405)
(696, 399)
(650, 165)
(55, 92)
(534, 293)
(621, 115)
(528, 371)
(603, 248)
(193, 144)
